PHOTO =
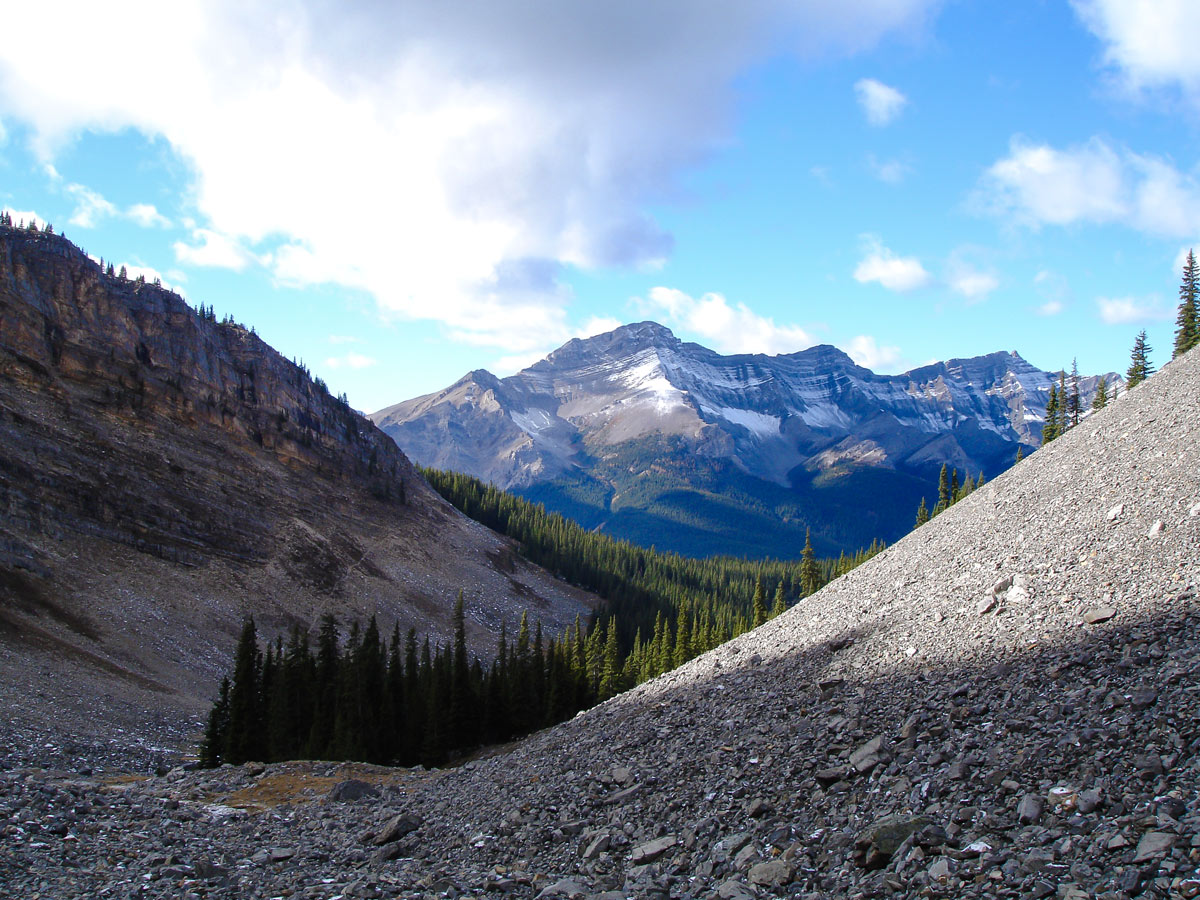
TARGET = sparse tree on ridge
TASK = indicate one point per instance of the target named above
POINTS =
(1101, 399)
(1187, 333)
(1050, 421)
(810, 574)
(922, 514)
(777, 608)
(1073, 402)
(758, 607)
(1139, 362)
(943, 491)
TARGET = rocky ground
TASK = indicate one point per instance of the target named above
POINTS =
(1004, 704)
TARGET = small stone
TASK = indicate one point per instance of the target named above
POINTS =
(940, 870)
(1002, 585)
(870, 754)
(1029, 810)
(1115, 512)
(832, 775)
(877, 842)
(565, 888)
(349, 791)
(652, 850)
(281, 854)
(622, 775)
(986, 605)
(1098, 615)
(1143, 698)
(1089, 801)
(396, 828)
(732, 889)
(597, 845)
(1156, 529)
(758, 807)
(1153, 845)
(774, 873)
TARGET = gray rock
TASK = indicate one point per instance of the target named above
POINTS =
(1029, 810)
(1154, 845)
(652, 850)
(870, 754)
(351, 790)
(597, 845)
(877, 842)
(396, 827)
(774, 873)
(565, 888)
(1099, 614)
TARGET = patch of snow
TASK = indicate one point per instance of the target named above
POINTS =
(532, 420)
(757, 423)
(825, 415)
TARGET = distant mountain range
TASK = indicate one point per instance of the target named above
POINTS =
(671, 444)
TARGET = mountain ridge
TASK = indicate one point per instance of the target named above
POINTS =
(163, 475)
(601, 419)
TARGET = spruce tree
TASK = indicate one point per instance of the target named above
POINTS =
(610, 678)
(758, 606)
(1050, 421)
(244, 739)
(922, 514)
(1187, 332)
(1101, 399)
(212, 748)
(1020, 452)
(779, 607)
(943, 490)
(1139, 362)
(1073, 403)
(1064, 403)
(810, 574)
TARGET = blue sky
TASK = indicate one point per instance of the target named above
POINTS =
(398, 193)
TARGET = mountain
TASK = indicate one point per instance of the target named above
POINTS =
(1002, 704)
(162, 475)
(669, 443)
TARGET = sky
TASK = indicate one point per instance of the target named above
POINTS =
(398, 193)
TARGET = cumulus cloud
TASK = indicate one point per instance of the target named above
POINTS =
(344, 339)
(725, 327)
(1095, 183)
(865, 351)
(146, 215)
(1123, 310)
(417, 150)
(350, 361)
(896, 273)
(880, 103)
(891, 171)
(969, 281)
(1151, 45)
(90, 207)
(1050, 308)
(213, 250)
(25, 216)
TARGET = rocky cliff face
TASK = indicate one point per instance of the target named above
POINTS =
(618, 409)
(162, 475)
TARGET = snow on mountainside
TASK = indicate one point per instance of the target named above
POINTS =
(638, 395)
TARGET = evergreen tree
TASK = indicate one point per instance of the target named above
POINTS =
(955, 495)
(810, 575)
(610, 679)
(1073, 402)
(245, 736)
(1187, 331)
(212, 748)
(1101, 399)
(1050, 422)
(943, 490)
(758, 606)
(461, 711)
(1064, 402)
(922, 514)
(779, 607)
(1020, 452)
(1139, 362)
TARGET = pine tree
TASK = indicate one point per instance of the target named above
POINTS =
(922, 514)
(955, 494)
(810, 574)
(1020, 452)
(1050, 422)
(1139, 362)
(244, 738)
(758, 606)
(1064, 402)
(610, 679)
(1101, 399)
(779, 607)
(1073, 402)
(943, 490)
(1187, 333)
(212, 749)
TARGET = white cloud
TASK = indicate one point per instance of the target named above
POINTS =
(1123, 310)
(23, 216)
(212, 250)
(724, 327)
(970, 282)
(1092, 183)
(411, 150)
(515, 362)
(1152, 44)
(90, 207)
(881, 103)
(896, 273)
(891, 171)
(344, 339)
(865, 351)
(1050, 308)
(3, 134)
(350, 361)
(146, 215)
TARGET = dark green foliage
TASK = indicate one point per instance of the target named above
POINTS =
(1020, 453)
(778, 606)
(944, 496)
(1073, 402)
(1139, 362)
(758, 606)
(810, 574)
(923, 513)
(1101, 399)
(1187, 323)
